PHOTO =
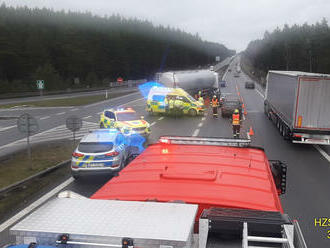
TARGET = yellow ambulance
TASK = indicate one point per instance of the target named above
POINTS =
(159, 98)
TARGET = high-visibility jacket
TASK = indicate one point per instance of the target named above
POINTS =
(171, 103)
(235, 119)
(178, 103)
(215, 103)
(201, 99)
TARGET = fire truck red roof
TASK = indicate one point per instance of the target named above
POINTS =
(216, 176)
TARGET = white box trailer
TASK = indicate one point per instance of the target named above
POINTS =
(299, 104)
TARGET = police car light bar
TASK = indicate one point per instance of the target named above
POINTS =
(204, 141)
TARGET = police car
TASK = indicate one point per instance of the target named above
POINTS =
(125, 120)
(103, 151)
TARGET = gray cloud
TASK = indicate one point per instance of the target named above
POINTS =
(231, 22)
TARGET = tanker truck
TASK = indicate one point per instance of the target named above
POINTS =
(192, 81)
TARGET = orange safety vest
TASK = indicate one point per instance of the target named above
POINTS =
(214, 103)
(236, 119)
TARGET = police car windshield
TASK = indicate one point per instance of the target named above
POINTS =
(95, 147)
(127, 116)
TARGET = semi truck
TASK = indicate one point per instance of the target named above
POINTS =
(299, 105)
(181, 192)
(191, 81)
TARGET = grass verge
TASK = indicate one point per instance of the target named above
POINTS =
(73, 101)
(18, 167)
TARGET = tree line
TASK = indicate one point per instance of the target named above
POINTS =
(73, 49)
(296, 48)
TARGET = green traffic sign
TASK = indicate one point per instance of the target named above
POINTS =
(40, 84)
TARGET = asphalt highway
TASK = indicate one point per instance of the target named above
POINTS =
(308, 183)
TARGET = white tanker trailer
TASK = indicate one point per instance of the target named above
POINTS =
(191, 81)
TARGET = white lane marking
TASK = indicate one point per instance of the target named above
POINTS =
(100, 112)
(102, 102)
(45, 117)
(324, 154)
(204, 118)
(153, 124)
(248, 135)
(260, 93)
(34, 205)
(200, 124)
(243, 117)
(75, 109)
(6, 128)
(61, 113)
(139, 99)
(160, 118)
(86, 117)
(196, 132)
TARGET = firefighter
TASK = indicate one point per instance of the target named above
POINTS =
(178, 107)
(215, 105)
(171, 105)
(236, 123)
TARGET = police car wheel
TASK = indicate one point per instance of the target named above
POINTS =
(192, 112)
(102, 125)
(76, 177)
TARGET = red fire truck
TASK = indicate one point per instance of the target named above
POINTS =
(180, 192)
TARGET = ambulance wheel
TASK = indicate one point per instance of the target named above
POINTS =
(151, 112)
(192, 112)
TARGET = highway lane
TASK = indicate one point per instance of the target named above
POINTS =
(308, 171)
(307, 194)
(50, 118)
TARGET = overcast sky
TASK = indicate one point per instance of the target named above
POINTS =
(233, 23)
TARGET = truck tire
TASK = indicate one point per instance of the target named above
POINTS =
(192, 112)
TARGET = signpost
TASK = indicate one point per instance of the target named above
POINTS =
(217, 58)
(40, 86)
(120, 80)
(74, 124)
(27, 124)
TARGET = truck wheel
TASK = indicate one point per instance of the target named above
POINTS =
(192, 112)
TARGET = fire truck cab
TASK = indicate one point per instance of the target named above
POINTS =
(180, 192)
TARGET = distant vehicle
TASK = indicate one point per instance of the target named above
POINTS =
(156, 101)
(229, 70)
(102, 151)
(191, 81)
(299, 105)
(249, 85)
(229, 104)
(223, 83)
(211, 68)
(236, 74)
(125, 120)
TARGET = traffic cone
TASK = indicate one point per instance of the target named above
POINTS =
(251, 133)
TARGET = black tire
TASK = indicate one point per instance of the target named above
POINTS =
(76, 177)
(151, 112)
(102, 125)
(192, 112)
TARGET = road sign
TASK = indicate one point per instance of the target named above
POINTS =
(217, 58)
(74, 124)
(40, 84)
(27, 124)
(120, 80)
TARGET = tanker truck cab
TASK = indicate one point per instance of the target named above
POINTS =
(159, 97)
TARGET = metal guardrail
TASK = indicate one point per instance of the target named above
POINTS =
(19, 184)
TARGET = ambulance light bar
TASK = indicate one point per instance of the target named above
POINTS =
(204, 141)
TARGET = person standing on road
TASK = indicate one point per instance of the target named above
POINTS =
(200, 98)
(236, 123)
(215, 105)
(171, 105)
(178, 107)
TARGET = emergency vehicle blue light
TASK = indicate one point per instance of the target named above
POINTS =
(145, 88)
